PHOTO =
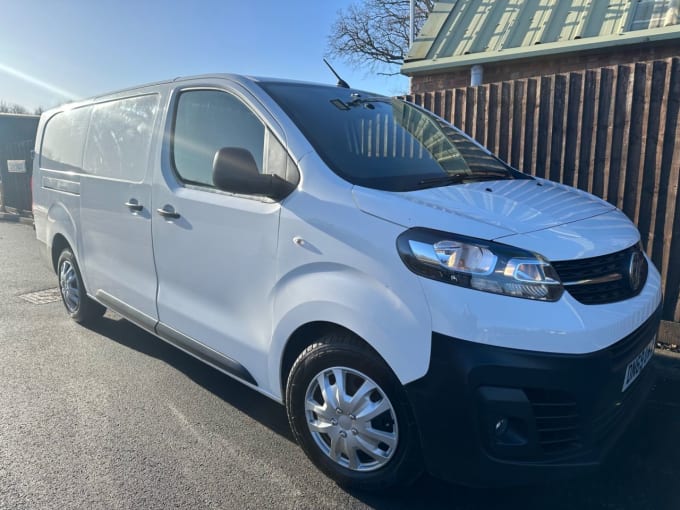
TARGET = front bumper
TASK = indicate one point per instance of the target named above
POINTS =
(492, 415)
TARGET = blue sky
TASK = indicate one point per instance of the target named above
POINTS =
(53, 48)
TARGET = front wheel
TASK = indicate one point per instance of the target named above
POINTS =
(350, 415)
(78, 305)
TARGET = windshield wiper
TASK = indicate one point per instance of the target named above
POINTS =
(442, 181)
(359, 101)
(489, 176)
(446, 180)
(366, 100)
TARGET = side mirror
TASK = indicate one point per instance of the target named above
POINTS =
(235, 170)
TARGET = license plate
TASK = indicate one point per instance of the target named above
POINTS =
(635, 367)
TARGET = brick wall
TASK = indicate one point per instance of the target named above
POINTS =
(566, 63)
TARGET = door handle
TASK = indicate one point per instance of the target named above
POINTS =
(134, 205)
(168, 212)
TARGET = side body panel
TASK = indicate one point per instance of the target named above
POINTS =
(56, 201)
(56, 209)
(117, 253)
(88, 202)
(216, 262)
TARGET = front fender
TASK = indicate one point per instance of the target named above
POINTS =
(394, 320)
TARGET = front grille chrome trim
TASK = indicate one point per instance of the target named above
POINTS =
(613, 277)
(604, 279)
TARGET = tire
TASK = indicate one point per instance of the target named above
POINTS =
(369, 442)
(78, 305)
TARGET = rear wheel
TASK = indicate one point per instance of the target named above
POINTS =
(350, 415)
(78, 305)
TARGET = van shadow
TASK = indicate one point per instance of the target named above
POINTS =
(243, 398)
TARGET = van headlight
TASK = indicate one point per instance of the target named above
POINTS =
(478, 264)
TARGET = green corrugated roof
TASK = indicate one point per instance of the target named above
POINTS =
(461, 33)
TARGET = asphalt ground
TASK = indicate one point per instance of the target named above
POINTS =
(112, 417)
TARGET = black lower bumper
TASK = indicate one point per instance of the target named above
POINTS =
(493, 416)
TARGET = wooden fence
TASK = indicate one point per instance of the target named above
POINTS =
(611, 131)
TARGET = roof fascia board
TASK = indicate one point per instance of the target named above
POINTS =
(636, 37)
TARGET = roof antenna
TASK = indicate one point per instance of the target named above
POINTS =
(341, 83)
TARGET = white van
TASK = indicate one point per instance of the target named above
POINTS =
(414, 302)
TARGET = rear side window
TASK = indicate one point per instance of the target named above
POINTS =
(119, 138)
(206, 121)
(63, 142)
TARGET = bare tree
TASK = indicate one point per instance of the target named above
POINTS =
(376, 32)
(11, 108)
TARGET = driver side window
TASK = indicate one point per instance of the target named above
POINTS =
(206, 121)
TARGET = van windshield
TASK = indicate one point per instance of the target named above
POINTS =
(384, 143)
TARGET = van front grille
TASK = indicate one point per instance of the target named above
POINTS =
(604, 279)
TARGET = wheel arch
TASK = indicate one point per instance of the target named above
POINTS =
(59, 244)
(61, 232)
(303, 337)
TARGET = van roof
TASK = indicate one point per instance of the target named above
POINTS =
(238, 78)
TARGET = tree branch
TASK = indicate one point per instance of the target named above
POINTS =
(375, 32)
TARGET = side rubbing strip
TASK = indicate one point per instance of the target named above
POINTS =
(183, 342)
(132, 314)
(64, 185)
(204, 353)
